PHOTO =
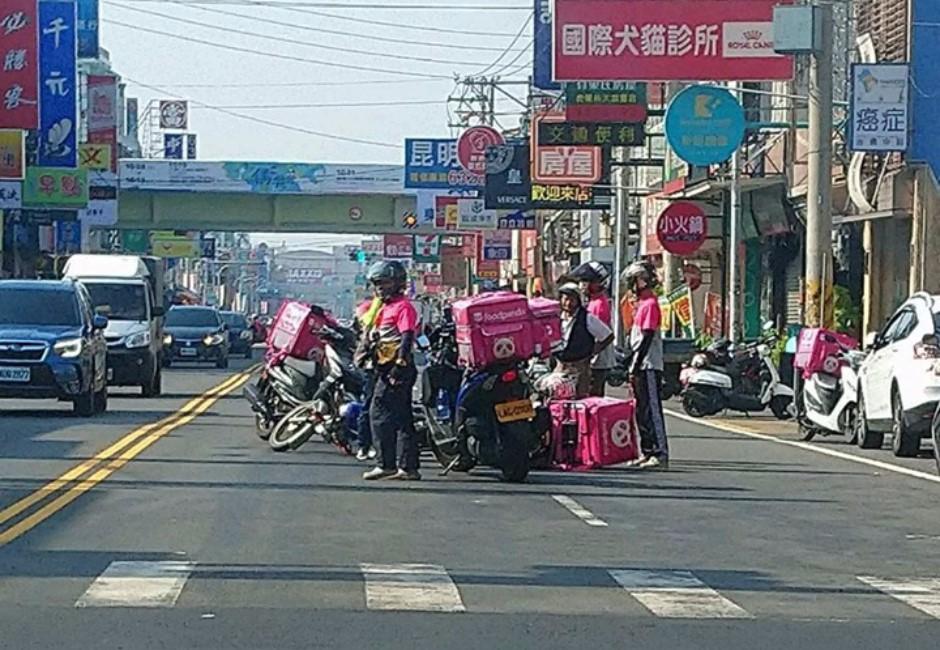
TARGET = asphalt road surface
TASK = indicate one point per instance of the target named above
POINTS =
(168, 524)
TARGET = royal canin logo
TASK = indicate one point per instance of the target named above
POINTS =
(753, 34)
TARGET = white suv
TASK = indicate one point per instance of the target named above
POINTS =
(900, 378)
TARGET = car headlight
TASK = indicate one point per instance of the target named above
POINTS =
(138, 340)
(246, 335)
(68, 348)
(168, 339)
(213, 339)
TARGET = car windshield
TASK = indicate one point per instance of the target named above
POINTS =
(119, 301)
(235, 321)
(38, 308)
(192, 318)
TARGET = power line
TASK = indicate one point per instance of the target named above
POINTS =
(357, 5)
(285, 57)
(337, 32)
(298, 84)
(280, 125)
(407, 102)
(281, 39)
(525, 23)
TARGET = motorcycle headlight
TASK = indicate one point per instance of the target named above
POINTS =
(699, 361)
(68, 348)
(245, 335)
(167, 340)
(138, 340)
(213, 339)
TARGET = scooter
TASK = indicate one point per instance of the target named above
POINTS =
(827, 401)
(708, 390)
(284, 383)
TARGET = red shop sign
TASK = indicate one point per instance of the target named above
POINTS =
(19, 65)
(471, 147)
(682, 228)
(667, 40)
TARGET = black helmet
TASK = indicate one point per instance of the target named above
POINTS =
(592, 273)
(640, 270)
(389, 276)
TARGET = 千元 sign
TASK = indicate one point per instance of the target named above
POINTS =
(432, 164)
(682, 228)
(507, 177)
(12, 154)
(19, 85)
(666, 40)
(879, 107)
(472, 145)
(11, 195)
(427, 249)
(55, 187)
(497, 245)
(399, 246)
(174, 114)
(590, 133)
(473, 215)
(88, 29)
(95, 156)
(704, 125)
(58, 93)
(605, 101)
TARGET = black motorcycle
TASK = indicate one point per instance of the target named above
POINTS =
(284, 383)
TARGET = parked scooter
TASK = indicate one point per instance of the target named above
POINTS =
(827, 391)
(749, 383)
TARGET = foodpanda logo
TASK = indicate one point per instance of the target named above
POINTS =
(500, 316)
(504, 348)
(621, 434)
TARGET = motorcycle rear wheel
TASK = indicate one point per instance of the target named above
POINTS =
(292, 430)
(697, 404)
(514, 452)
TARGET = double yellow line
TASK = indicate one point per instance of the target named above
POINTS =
(71, 485)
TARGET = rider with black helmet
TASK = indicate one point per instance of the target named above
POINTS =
(392, 336)
(594, 279)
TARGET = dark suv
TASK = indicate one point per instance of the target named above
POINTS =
(52, 344)
(195, 334)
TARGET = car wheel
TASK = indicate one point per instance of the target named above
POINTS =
(154, 387)
(904, 442)
(84, 405)
(249, 353)
(935, 436)
(167, 362)
(865, 438)
(101, 400)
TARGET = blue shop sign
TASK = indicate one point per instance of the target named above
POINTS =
(432, 164)
(704, 125)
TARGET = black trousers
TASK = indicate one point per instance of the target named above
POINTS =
(393, 420)
(648, 388)
(598, 382)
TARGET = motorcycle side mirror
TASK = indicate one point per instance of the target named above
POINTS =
(871, 340)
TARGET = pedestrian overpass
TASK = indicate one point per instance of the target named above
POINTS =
(264, 197)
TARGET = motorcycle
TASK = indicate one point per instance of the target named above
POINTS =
(749, 383)
(331, 410)
(827, 400)
(284, 383)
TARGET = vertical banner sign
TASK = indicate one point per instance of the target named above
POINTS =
(497, 245)
(190, 146)
(173, 146)
(19, 81)
(131, 119)
(12, 154)
(879, 107)
(103, 114)
(88, 29)
(542, 47)
(427, 249)
(58, 97)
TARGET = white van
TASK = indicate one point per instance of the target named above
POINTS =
(123, 288)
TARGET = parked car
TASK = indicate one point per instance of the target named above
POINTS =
(52, 344)
(195, 334)
(240, 334)
(900, 378)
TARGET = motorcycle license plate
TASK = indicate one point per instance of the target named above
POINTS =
(513, 411)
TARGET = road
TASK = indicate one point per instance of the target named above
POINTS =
(191, 533)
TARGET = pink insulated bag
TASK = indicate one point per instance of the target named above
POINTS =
(546, 325)
(493, 327)
(293, 331)
(815, 345)
(593, 432)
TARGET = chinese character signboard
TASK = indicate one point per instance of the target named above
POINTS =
(879, 108)
(567, 197)
(581, 165)
(453, 267)
(102, 108)
(666, 40)
(58, 95)
(473, 215)
(487, 270)
(399, 246)
(516, 220)
(190, 146)
(427, 249)
(12, 154)
(472, 145)
(19, 81)
(96, 157)
(617, 134)
(68, 237)
(712, 325)
(497, 245)
(11, 195)
(55, 187)
(605, 101)
(507, 177)
(542, 47)
(174, 114)
(682, 228)
(88, 29)
(173, 146)
(433, 165)
(704, 125)
(445, 212)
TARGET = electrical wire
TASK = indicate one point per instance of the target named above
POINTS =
(406, 102)
(525, 23)
(285, 57)
(299, 84)
(356, 5)
(281, 39)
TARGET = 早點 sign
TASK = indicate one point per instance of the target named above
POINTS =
(55, 187)
(682, 228)
(879, 110)
(432, 164)
(666, 40)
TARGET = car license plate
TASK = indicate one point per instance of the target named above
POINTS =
(513, 411)
(187, 352)
(18, 375)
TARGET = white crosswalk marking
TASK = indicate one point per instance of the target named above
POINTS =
(137, 584)
(579, 511)
(922, 594)
(676, 594)
(418, 587)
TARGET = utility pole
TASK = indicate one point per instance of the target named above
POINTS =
(734, 289)
(818, 290)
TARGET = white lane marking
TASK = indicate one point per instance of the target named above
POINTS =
(137, 584)
(920, 593)
(676, 594)
(888, 467)
(579, 511)
(417, 587)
